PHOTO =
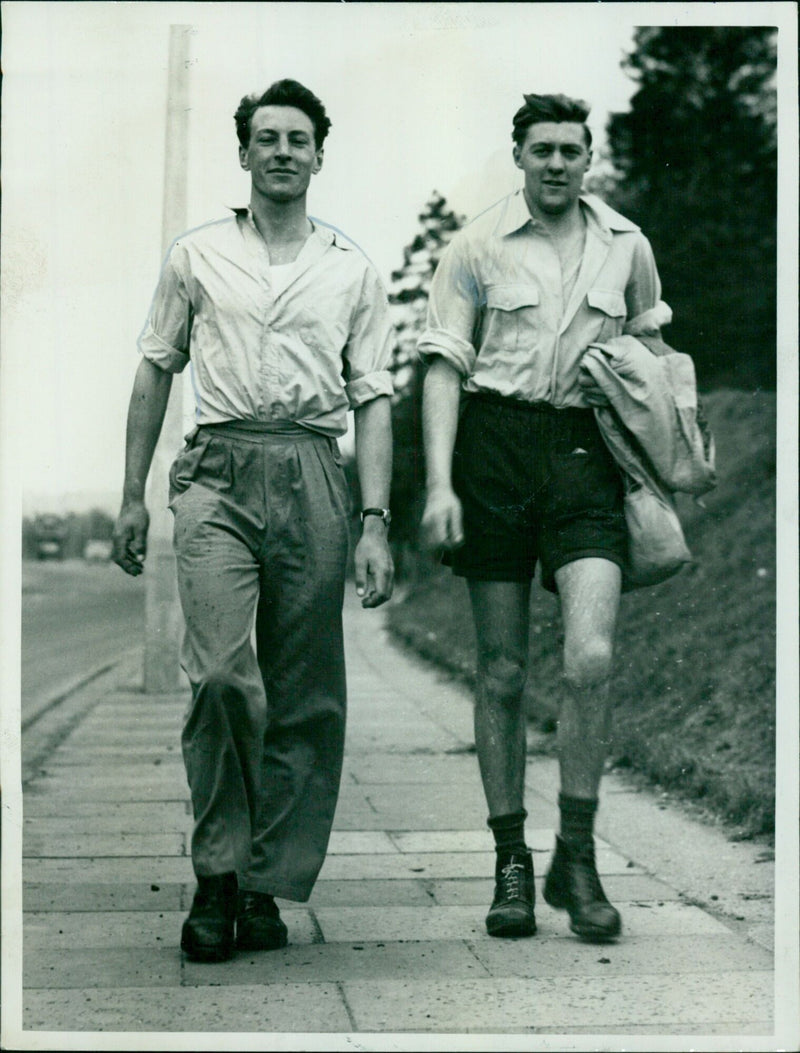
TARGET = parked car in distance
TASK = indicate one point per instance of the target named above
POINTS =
(97, 550)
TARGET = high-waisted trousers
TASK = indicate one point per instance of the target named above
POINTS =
(261, 540)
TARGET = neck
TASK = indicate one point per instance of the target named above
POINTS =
(280, 222)
(556, 222)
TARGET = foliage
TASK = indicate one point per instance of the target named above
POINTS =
(695, 669)
(409, 299)
(697, 161)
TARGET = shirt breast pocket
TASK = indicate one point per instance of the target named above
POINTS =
(608, 313)
(512, 316)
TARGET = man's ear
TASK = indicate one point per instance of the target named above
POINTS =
(243, 159)
(318, 159)
(516, 153)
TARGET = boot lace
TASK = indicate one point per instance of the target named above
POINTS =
(511, 876)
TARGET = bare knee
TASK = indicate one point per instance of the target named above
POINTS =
(587, 665)
(501, 680)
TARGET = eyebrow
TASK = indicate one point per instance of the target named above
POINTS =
(291, 131)
(554, 142)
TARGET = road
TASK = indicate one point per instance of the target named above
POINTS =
(76, 617)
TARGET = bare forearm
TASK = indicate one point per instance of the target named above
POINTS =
(373, 423)
(373, 560)
(440, 400)
(146, 410)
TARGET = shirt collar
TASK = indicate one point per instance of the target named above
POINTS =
(517, 215)
(322, 232)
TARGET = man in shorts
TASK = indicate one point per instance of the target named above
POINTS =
(517, 474)
(285, 326)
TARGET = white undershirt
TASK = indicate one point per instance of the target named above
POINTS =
(280, 274)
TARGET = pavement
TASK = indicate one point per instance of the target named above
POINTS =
(391, 951)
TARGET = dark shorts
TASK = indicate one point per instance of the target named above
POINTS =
(536, 484)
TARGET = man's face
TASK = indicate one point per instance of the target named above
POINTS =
(281, 156)
(554, 158)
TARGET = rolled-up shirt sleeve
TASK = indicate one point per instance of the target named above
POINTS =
(453, 306)
(646, 311)
(164, 341)
(370, 345)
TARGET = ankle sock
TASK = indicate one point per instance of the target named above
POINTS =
(509, 832)
(577, 817)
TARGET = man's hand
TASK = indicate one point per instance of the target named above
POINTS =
(129, 545)
(374, 565)
(593, 395)
(442, 524)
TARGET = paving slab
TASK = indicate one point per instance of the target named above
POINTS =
(108, 967)
(387, 893)
(436, 865)
(169, 818)
(151, 870)
(247, 1008)
(558, 1004)
(43, 845)
(465, 840)
(358, 960)
(54, 896)
(361, 842)
(37, 803)
(428, 767)
(437, 922)
(635, 955)
(106, 788)
(70, 756)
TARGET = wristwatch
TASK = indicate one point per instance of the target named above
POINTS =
(382, 513)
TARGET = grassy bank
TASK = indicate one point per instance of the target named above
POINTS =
(694, 677)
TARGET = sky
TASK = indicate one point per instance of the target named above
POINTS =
(421, 98)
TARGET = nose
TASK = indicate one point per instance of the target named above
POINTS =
(556, 160)
(282, 148)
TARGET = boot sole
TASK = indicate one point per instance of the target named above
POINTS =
(273, 939)
(256, 945)
(504, 927)
(208, 954)
(589, 933)
(513, 929)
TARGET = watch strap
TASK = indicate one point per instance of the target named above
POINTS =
(382, 513)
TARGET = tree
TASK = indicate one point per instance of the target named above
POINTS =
(408, 296)
(697, 162)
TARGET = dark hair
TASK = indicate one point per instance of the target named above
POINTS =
(556, 108)
(283, 93)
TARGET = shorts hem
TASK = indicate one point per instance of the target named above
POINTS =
(494, 575)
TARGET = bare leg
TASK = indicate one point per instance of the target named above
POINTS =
(589, 590)
(500, 611)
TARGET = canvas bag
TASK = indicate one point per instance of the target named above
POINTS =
(657, 548)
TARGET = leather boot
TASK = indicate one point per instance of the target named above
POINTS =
(258, 923)
(511, 912)
(208, 932)
(572, 884)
